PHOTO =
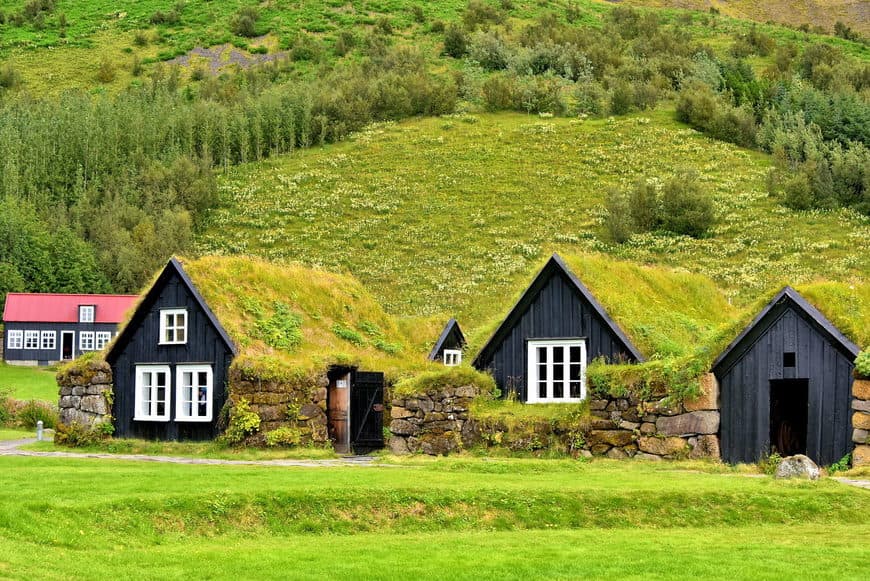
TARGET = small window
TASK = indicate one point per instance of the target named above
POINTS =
(86, 341)
(556, 371)
(31, 339)
(788, 359)
(193, 393)
(452, 357)
(86, 313)
(48, 340)
(173, 326)
(103, 338)
(15, 339)
(152, 393)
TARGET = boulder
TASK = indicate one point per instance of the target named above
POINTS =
(859, 405)
(95, 404)
(616, 454)
(601, 424)
(663, 407)
(705, 447)
(861, 456)
(662, 446)
(438, 444)
(647, 428)
(403, 428)
(101, 377)
(861, 389)
(309, 411)
(599, 449)
(466, 391)
(610, 437)
(860, 436)
(397, 412)
(645, 456)
(798, 466)
(598, 404)
(860, 420)
(399, 445)
(706, 422)
(709, 398)
(630, 426)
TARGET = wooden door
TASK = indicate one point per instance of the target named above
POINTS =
(338, 411)
(367, 411)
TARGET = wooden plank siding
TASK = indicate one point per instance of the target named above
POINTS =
(750, 364)
(47, 356)
(141, 346)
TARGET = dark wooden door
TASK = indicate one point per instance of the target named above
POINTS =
(367, 411)
(67, 345)
(338, 408)
(788, 416)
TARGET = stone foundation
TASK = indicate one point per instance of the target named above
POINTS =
(861, 422)
(439, 423)
(85, 391)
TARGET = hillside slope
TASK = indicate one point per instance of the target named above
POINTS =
(453, 215)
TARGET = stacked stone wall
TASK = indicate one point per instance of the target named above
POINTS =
(439, 423)
(85, 391)
(861, 422)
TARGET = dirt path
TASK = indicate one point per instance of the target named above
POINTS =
(854, 482)
(12, 448)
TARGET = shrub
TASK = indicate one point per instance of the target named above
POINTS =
(455, 42)
(685, 206)
(140, 39)
(244, 23)
(348, 334)
(862, 365)
(480, 14)
(283, 330)
(384, 26)
(589, 99)
(169, 17)
(621, 98)
(769, 464)
(489, 51)
(243, 422)
(9, 77)
(283, 436)
(6, 414)
(618, 221)
(345, 42)
(498, 92)
(34, 411)
(106, 72)
(77, 435)
(417, 14)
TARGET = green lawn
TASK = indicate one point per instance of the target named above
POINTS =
(428, 518)
(13, 434)
(27, 383)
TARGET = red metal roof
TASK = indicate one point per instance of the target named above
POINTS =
(61, 308)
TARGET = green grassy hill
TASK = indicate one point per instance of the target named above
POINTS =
(454, 215)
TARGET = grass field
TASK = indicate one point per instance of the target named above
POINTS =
(463, 518)
(27, 383)
(453, 215)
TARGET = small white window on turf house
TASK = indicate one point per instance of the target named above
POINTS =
(86, 341)
(103, 338)
(15, 339)
(173, 326)
(31, 339)
(152, 393)
(48, 340)
(557, 370)
(194, 387)
(452, 357)
(86, 313)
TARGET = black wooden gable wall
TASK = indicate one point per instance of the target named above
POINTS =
(138, 343)
(822, 356)
(451, 338)
(556, 305)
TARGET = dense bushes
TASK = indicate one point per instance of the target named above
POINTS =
(680, 205)
(25, 414)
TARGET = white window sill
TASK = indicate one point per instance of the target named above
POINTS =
(173, 343)
(149, 419)
(571, 400)
(193, 420)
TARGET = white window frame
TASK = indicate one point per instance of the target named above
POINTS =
(102, 339)
(139, 399)
(532, 371)
(87, 313)
(165, 327)
(86, 341)
(452, 357)
(180, 415)
(48, 340)
(15, 339)
(31, 339)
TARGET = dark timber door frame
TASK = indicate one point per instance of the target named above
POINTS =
(338, 408)
(67, 354)
(789, 416)
(355, 404)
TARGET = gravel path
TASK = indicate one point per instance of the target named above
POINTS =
(12, 448)
(854, 482)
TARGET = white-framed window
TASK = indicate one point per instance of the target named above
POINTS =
(86, 341)
(452, 357)
(557, 370)
(14, 339)
(173, 326)
(152, 393)
(194, 387)
(31, 339)
(102, 339)
(48, 340)
(86, 313)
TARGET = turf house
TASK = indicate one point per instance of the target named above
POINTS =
(450, 345)
(786, 385)
(44, 328)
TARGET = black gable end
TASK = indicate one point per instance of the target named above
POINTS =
(451, 337)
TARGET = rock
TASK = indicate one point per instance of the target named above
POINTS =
(95, 404)
(631, 415)
(70, 401)
(466, 391)
(399, 445)
(586, 453)
(705, 447)
(601, 424)
(599, 449)
(435, 417)
(101, 377)
(610, 437)
(691, 423)
(861, 456)
(598, 404)
(399, 413)
(425, 405)
(662, 446)
(644, 456)
(411, 404)
(647, 428)
(860, 405)
(663, 407)
(403, 428)
(616, 454)
(438, 444)
(469, 434)
(65, 390)
(309, 411)
(78, 390)
(860, 436)
(798, 466)
(709, 398)
(861, 389)
(860, 420)
(630, 426)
